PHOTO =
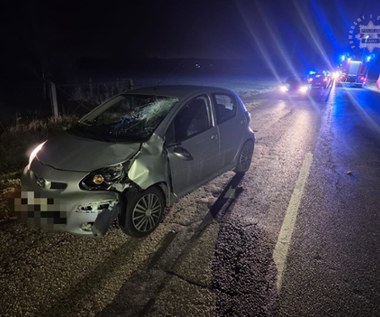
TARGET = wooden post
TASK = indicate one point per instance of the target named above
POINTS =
(130, 84)
(53, 100)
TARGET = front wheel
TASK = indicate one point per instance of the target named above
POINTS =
(245, 157)
(143, 212)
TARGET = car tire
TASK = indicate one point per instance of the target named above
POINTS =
(245, 157)
(143, 211)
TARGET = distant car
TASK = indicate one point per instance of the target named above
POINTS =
(319, 79)
(295, 86)
(134, 155)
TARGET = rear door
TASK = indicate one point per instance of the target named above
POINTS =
(193, 146)
(231, 123)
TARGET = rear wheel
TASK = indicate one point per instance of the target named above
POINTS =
(143, 212)
(245, 157)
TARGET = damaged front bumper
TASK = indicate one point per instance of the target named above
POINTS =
(52, 200)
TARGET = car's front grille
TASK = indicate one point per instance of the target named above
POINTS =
(56, 185)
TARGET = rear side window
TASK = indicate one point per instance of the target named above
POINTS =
(225, 107)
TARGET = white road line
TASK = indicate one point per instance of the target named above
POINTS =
(281, 249)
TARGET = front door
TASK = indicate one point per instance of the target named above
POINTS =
(194, 147)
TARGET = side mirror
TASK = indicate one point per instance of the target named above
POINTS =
(182, 153)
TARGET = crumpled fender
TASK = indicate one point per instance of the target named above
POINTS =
(150, 165)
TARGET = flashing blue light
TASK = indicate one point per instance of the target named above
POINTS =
(368, 59)
(343, 58)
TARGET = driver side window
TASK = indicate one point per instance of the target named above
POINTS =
(193, 118)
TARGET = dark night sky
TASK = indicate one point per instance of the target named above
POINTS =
(266, 33)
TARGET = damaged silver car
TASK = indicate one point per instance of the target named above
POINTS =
(134, 155)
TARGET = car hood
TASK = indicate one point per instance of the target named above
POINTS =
(73, 153)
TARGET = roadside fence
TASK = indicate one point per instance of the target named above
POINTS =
(76, 99)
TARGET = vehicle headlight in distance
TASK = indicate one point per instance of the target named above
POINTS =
(34, 153)
(336, 75)
(103, 178)
(284, 88)
(303, 89)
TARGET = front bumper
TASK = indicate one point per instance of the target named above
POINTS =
(52, 200)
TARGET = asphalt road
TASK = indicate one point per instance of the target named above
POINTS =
(297, 235)
(333, 264)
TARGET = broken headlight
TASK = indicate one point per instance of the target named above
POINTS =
(103, 178)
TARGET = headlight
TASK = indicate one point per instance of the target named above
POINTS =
(304, 89)
(284, 88)
(103, 178)
(34, 153)
(336, 75)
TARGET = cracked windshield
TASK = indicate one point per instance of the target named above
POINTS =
(126, 118)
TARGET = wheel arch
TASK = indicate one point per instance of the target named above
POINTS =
(165, 189)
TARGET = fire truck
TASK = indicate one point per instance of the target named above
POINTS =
(353, 72)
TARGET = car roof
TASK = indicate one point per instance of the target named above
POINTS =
(179, 91)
